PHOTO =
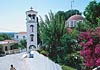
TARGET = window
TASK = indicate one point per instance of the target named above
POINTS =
(29, 15)
(71, 24)
(37, 19)
(0, 49)
(31, 26)
(17, 37)
(75, 23)
(11, 47)
(6, 48)
(23, 37)
(31, 37)
(33, 16)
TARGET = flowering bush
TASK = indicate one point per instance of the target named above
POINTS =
(97, 50)
(90, 42)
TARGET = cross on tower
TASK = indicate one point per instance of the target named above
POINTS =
(31, 8)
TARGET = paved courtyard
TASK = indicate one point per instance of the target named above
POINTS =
(39, 62)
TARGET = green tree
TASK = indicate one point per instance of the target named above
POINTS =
(92, 12)
(4, 37)
(56, 41)
(51, 32)
(60, 14)
(82, 26)
(98, 21)
(1, 38)
(23, 43)
(16, 46)
(69, 13)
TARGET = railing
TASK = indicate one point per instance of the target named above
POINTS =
(12, 51)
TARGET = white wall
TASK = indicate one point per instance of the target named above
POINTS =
(20, 36)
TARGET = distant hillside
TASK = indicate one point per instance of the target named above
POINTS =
(11, 34)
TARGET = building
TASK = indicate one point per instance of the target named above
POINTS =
(20, 36)
(73, 20)
(31, 24)
(7, 47)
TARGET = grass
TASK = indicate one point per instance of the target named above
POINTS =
(64, 67)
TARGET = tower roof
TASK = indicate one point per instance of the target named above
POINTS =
(31, 10)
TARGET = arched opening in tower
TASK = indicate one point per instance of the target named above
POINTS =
(32, 47)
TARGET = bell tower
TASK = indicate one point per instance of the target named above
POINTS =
(31, 24)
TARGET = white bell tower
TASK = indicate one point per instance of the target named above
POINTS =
(31, 24)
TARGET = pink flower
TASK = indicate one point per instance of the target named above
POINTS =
(90, 42)
(96, 33)
(99, 35)
(85, 35)
(98, 45)
(88, 57)
(82, 34)
(81, 53)
(85, 46)
(97, 50)
(90, 63)
(87, 52)
(82, 43)
(98, 62)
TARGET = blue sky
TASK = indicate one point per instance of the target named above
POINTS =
(12, 12)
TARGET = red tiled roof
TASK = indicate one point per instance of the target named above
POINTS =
(76, 17)
(8, 41)
(22, 32)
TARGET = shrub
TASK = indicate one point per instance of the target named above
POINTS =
(90, 42)
(45, 53)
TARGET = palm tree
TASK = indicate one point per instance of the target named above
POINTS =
(51, 32)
